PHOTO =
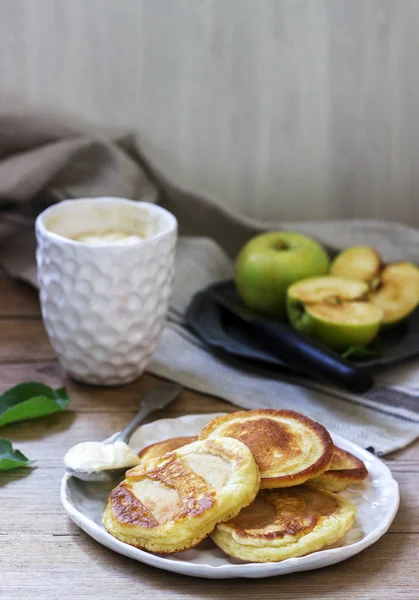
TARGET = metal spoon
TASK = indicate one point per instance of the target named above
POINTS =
(156, 399)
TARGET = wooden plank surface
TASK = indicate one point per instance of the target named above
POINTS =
(76, 567)
(18, 300)
(44, 556)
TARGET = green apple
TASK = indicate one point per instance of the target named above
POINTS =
(358, 262)
(334, 310)
(394, 288)
(270, 262)
(396, 292)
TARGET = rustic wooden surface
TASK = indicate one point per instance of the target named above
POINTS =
(43, 555)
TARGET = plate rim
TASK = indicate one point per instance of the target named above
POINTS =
(249, 570)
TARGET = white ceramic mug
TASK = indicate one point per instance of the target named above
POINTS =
(104, 305)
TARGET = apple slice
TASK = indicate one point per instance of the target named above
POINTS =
(333, 310)
(396, 291)
(393, 288)
(360, 262)
(328, 288)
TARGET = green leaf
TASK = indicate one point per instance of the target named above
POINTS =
(361, 352)
(11, 459)
(30, 401)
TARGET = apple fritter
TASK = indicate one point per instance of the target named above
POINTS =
(288, 447)
(285, 523)
(173, 502)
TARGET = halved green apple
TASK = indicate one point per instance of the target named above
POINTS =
(396, 291)
(359, 262)
(333, 310)
(394, 288)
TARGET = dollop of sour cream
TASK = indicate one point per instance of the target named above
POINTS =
(108, 237)
(89, 457)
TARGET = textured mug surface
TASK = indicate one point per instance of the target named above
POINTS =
(104, 306)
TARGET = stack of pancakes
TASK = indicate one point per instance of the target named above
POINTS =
(262, 483)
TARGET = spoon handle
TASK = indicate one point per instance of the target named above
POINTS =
(156, 399)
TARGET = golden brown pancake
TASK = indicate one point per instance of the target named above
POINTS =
(288, 447)
(344, 469)
(284, 523)
(160, 448)
(173, 502)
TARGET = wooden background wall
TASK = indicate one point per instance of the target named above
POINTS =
(286, 108)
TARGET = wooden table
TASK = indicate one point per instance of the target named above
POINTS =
(44, 555)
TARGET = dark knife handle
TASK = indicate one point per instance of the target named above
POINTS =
(309, 356)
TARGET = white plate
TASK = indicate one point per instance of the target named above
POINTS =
(377, 500)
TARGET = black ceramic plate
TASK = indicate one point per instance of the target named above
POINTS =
(223, 331)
